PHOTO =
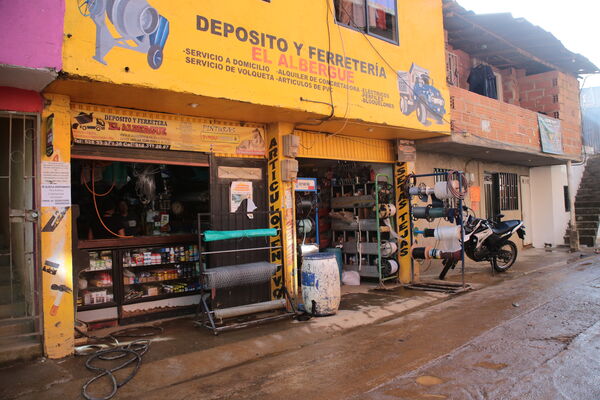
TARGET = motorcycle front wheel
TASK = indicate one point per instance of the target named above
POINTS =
(506, 257)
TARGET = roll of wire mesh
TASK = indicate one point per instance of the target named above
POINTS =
(239, 275)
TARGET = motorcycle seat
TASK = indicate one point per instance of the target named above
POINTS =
(501, 228)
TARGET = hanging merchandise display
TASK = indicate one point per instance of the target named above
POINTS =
(446, 202)
(441, 233)
(365, 232)
(386, 210)
(390, 266)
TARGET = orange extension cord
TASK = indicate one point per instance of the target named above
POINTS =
(94, 195)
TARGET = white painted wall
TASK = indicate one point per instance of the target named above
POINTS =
(549, 218)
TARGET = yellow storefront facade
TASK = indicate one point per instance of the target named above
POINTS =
(209, 85)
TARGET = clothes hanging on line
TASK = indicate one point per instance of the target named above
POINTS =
(483, 81)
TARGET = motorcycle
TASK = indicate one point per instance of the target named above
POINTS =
(489, 240)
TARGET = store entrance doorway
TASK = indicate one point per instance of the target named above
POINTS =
(19, 311)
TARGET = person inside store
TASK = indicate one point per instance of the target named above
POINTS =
(129, 219)
(111, 222)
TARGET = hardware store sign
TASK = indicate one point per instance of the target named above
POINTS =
(288, 54)
(125, 128)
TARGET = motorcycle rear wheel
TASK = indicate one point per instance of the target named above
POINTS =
(507, 255)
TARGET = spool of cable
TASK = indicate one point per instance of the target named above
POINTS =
(422, 191)
(304, 203)
(447, 233)
(443, 191)
(388, 248)
(305, 226)
(389, 267)
(429, 253)
(429, 213)
(386, 210)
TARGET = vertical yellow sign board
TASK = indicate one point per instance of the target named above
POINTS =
(56, 261)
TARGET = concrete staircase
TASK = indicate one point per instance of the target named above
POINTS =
(587, 203)
(19, 337)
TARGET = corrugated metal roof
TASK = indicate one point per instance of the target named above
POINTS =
(504, 41)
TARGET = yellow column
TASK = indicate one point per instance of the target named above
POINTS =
(57, 268)
(401, 172)
(281, 198)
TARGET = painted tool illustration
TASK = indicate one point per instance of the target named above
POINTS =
(135, 20)
(86, 121)
(61, 290)
(418, 93)
(55, 219)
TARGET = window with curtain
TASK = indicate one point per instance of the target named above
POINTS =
(374, 17)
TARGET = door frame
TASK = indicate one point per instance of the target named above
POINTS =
(35, 312)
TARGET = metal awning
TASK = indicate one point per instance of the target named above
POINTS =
(474, 147)
(504, 41)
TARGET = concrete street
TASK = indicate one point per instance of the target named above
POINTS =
(533, 333)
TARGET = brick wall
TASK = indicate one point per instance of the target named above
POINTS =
(492, 119)
(557, 95)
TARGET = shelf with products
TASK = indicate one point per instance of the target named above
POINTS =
(154, 256)
(150, 291)
(362, 226)
(95, 282)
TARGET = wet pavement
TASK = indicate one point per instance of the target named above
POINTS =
(533, 333)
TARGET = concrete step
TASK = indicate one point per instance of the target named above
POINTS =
(586, 197)
(588, 192)
(16, 339)
(587, 225)
(587, 217)
(14, 327)
(12, 310)
(4, 274)
(587, 203)
(589, 241)
(587, 210)
(24, 349)
(7, 297)
(587, 232)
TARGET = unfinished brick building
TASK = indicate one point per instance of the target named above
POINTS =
(528, 77)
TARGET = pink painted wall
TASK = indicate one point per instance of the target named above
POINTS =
(32, 33)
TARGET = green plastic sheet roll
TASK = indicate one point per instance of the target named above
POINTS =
(213, 236)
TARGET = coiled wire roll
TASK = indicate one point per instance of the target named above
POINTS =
(239, 275)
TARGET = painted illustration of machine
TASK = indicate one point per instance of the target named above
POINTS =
(418, 93)
(85, 121)
(135, 20)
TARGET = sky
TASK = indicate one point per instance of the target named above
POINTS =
(576, 23)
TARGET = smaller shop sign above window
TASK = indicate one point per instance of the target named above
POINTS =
(116, 127)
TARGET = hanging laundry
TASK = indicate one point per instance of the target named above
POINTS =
(483, 81)
(381, 22)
